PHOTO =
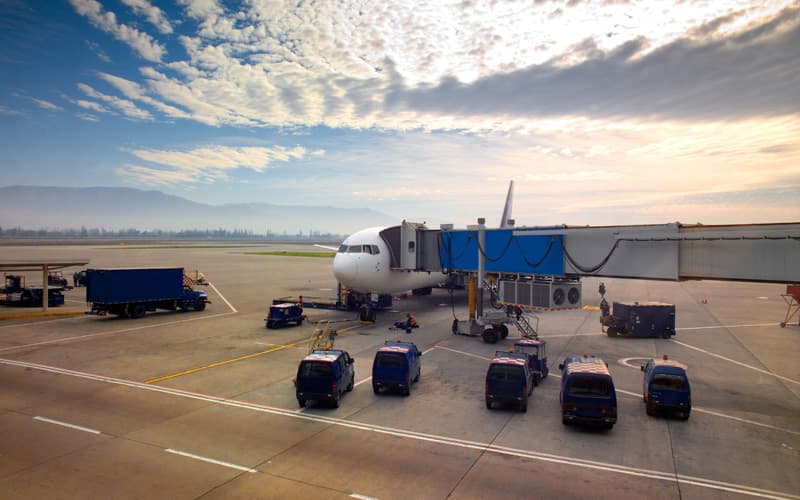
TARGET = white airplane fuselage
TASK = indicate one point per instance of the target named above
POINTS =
(363, 264)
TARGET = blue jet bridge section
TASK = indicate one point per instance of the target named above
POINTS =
(512, 250)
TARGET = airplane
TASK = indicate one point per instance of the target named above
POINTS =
(363, 265)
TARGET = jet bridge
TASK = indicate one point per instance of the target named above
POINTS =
(528, 260)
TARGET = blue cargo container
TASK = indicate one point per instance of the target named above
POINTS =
(133, 292)
(640, 319)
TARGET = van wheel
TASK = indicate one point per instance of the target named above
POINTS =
(536, 380)
(651, 409)
(351, 384)
(375, 388)
(488, 405)
(416, 379)
(523, 407)
(301, 402)
(685, 415)
(199, 305)
(407, 391)
(336, 400)
(565, 421)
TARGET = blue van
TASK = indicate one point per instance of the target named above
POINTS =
(666, 387)
(509, 380)
(587, 392)
(324, 375)
(396, 366)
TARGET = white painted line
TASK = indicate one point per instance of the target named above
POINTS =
(401, 433)
(763, 298)
(211, 460)
(571, 335)
(233, 309)
(766, 372)
(464, 353)
(33, 323)
(725, 326)
(362, 497)
(110, 332)
(362, 381)
(64, 424)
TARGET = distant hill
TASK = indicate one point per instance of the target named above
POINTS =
(34, 207)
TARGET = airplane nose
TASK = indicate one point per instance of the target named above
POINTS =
(345, 268)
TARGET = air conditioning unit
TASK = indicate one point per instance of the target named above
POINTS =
(541, 294)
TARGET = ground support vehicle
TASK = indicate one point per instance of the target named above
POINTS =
(324, 375)
(666, 388)
(587, 392)
(15, 293)
(792, 299)
(396, 366)
(56, 278)
(509, 380)
(282, 313)
(132, 292)
(537, 357)
(638, 319)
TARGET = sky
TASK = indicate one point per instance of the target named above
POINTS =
(602, 112)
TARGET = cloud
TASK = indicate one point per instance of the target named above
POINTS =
(125, 106)
(10, 112)
(154, 15)
(88, 117)
(205, 165)
(98, 51)
(134, 91)
(46, 105)
(141, 42)
(752, 73)
(94, 106)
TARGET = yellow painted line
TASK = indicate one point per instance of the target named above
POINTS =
(219, 363)
(41, 314)
(591, 308)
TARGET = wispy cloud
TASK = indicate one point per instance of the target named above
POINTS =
(98, 51)
(141, 42)
(46, 104)
(88, 117)
(8, 111)
(124, 106)
(153, 14)
(207, 164)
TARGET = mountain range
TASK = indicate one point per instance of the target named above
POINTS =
(114, 208)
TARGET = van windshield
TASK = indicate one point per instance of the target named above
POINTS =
(670, 382)
(589, 386)
(390, 359)
(316, 369)
(505, 372)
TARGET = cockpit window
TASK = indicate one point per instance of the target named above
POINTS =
(370, 249)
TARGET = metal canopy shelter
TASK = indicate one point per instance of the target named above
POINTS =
(45, 265)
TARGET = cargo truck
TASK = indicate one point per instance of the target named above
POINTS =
(133, 292)
(638, 319)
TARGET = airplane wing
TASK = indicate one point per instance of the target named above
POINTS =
(326, 247)
(507, 207)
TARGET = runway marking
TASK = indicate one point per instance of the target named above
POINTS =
(462, 352)
(362, 497)
(725, 326)
(17, 325)
(64, 424)
(233, 309)
(419, 436)
(110, 332)
(211, 460)
(766, 372)
(218, 363)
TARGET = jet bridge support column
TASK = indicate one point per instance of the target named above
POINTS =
(45, 288)
(481, 264)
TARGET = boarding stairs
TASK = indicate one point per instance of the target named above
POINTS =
(524, 326)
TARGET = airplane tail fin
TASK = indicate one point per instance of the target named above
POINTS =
(507, 208)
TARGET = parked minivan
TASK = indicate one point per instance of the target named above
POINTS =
(509, 380)
(666, 387)
(396, 366)
(587, 392)
(324, 375)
